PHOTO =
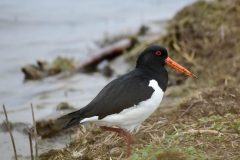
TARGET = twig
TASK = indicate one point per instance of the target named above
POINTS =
(10, 132)
(218, 112)
(120, 157)
(188, 109)
(30, 143)
(35, 132)
(194, 131)
(222, 32)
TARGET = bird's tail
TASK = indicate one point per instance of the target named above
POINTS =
(70, 120)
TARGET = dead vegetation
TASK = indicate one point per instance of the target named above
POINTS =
(202, 127)
(206, 125)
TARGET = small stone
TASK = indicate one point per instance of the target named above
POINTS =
(115, 151)
(63, 106)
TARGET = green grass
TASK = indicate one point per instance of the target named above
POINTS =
(182, 144)
(158, 153)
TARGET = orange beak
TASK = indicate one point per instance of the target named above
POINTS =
(178, 67)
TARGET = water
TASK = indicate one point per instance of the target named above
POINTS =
(31, 30)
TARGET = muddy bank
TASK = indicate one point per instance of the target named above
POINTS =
(205, 123)
(199, 128)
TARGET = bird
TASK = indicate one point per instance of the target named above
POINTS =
(127, 101)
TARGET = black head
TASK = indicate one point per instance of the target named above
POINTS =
(153, 57)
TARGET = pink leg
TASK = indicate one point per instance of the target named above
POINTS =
(126, 135)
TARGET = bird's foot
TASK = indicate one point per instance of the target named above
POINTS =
(126, 135)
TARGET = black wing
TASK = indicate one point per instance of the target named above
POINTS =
(120, 94)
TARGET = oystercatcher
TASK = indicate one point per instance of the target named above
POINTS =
(123, 104)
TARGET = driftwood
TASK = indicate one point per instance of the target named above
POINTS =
(47, 128)
(50, 125)
(108, 53)
(44, 69)
(33, 72)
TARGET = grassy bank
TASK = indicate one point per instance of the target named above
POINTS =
(205, 122)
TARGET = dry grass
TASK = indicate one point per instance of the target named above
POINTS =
(209, 129)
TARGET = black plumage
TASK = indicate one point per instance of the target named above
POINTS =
(123, 104)
(127, 90)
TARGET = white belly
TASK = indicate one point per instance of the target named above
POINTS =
(132, 117)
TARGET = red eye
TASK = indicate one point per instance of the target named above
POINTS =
(158, 53)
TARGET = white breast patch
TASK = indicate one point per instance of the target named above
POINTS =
(132, 117)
